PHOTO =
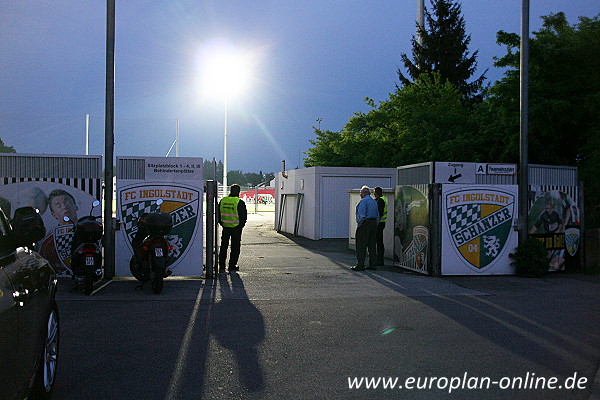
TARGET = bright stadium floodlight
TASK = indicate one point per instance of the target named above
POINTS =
(225, 75)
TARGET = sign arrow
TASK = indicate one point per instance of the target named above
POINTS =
(454, 177)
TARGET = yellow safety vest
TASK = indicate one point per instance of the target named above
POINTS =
(229, 211)
(384, 216)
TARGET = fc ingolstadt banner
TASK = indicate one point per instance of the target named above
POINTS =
(479, 229)
(178, 183)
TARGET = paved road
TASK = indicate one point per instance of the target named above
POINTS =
(297, 323)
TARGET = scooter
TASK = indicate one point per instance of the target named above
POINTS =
(86, 253)
(149, 262)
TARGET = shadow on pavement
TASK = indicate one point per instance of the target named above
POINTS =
(237, 325)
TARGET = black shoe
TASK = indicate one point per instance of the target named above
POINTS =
(234, 268)
(358, 268)
(372, 268)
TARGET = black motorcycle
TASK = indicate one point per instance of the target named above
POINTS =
(149, 262)
(86, 253)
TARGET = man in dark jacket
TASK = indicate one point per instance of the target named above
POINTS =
(232, 216)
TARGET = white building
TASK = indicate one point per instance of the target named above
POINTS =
(313, 202)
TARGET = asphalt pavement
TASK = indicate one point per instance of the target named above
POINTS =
(297, 323)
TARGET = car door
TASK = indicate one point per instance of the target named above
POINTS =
(9, 322)
(30, 300)
(33, 301)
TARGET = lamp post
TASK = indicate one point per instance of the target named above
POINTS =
(225, 151)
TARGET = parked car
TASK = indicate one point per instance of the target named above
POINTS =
(29, 321)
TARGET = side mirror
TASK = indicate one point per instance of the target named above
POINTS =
(66, 219)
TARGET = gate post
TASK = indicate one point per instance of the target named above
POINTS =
(211, 193)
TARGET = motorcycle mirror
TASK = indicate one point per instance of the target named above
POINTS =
(159, 202)
(66, 219)
(95, 204)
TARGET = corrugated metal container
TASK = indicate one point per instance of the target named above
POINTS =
(552, 175)
(42, 166)
(415, 174)
(131, 168)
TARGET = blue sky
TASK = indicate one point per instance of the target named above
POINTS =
(313, 59)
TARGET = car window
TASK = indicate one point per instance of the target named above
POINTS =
(5, 243)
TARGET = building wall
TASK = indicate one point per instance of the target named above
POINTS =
(325, 199)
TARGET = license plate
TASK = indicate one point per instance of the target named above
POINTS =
(89, 261)
(158, 252)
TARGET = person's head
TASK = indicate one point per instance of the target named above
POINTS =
(378, 192)
(62, 203)
(549, 206)
(235, 190)
(35, 198)
(365, 191)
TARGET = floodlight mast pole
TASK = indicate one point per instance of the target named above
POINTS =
(109, 143)
(225, 152)
(524, 122)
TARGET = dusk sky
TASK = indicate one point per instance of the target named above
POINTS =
(310, 60)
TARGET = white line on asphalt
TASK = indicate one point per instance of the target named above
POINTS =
(183, 352)
(100, 288)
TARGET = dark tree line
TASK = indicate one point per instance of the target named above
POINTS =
(236, 176)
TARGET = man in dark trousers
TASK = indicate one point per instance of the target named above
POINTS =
(232, 216)
(366, 229)
(383, 208)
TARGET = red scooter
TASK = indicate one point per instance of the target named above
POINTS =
(149, 262)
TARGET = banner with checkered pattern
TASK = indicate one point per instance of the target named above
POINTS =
(54, 201)
(178, 182)
(478, 234)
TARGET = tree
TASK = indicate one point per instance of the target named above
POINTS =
(564, 100)
(6, 149)
(444, 49)
(426, 121)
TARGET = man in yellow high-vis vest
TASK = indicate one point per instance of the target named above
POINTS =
(232, 216)
(383, 209)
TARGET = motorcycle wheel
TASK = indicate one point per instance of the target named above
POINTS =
(134, 267)
(88, 284)
(157, 283)
(158, 273)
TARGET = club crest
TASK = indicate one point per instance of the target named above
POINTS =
(182, 203)
(479, 221)
(63, 237)
(572, 240)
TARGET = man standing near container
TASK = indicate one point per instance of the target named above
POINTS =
(232, 216)
(383, 208)
(367, 217)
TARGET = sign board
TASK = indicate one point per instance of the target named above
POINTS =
(411, 228)
(466, 173)
(174, 169)
(179, 183)
(455, 172)
(496, 169)
(478, 229)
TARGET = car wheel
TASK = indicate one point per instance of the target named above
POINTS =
(46, 373)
